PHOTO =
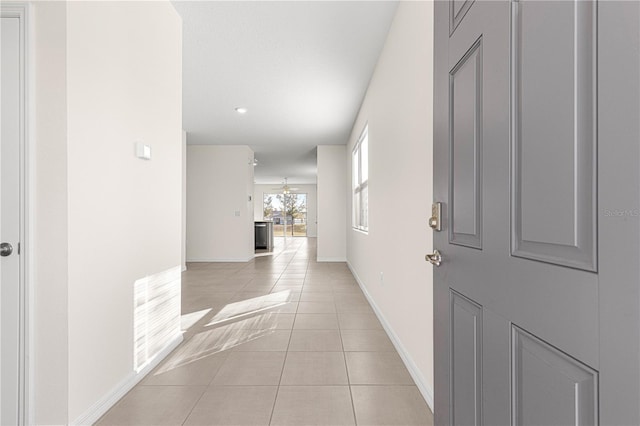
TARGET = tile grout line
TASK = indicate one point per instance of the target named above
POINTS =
(346, 368)
(194, 406)
(284, 363)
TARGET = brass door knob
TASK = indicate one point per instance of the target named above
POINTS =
(434, 258)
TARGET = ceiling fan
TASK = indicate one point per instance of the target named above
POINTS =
(285, 188)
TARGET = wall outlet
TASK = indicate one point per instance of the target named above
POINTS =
(237, 212)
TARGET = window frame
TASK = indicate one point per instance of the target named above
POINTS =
(359, 210)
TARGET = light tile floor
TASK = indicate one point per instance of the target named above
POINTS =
(281, 340)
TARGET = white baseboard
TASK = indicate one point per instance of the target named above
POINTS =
(103, 405)
(424, 388)
(222, 259)
(331, 259)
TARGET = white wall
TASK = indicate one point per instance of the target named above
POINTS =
(398, 109)
(219, 213)
(312, 208)
(124, 76)
(332, 203)
(49, 331)
(107, 74)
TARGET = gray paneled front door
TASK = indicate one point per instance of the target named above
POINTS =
(536, 153)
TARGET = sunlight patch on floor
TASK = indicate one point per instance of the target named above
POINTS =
(210, 342)
(250, 307)
(188, 320)
(237, 323)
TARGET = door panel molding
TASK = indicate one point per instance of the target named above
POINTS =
(553, 133)
(465, 360)
(465, 149)
(548, 386)
(457, 10)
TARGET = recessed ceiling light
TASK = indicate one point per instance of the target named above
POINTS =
(241, 110)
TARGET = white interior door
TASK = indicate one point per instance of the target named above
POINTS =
(11, 125)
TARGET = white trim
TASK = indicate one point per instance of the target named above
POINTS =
(331, 259)
(424, 388)
(103, 405)
(29, 219)
(29, 216)
(222, 259)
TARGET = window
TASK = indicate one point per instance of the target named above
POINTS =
(361, 182)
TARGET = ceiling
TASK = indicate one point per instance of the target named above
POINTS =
(301, 68)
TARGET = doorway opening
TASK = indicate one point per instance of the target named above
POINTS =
(288, 213)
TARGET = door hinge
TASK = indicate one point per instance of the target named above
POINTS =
(18, 248)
